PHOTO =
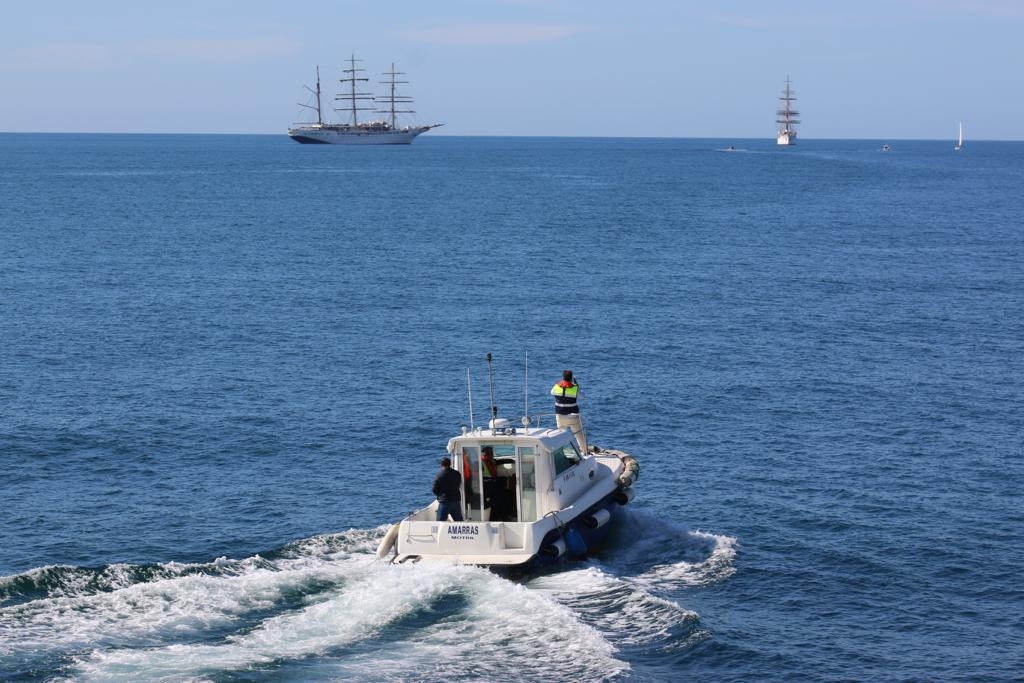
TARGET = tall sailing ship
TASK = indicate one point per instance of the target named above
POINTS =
(788, 117)
(380, 131)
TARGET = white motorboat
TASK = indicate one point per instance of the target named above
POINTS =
(547, 501)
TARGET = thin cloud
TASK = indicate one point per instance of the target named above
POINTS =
(493, 34)
(63, 56)
(900, 10)
(92, 56)
(223, 50)
(1002, 9)
(782, 21)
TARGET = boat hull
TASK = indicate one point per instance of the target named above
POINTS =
(327, 136)
(547, 542)
(786, 138)
(581, 504)
(593, 539)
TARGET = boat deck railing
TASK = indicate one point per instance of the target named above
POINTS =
(537, 420)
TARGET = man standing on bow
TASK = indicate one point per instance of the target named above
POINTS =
(567, 410)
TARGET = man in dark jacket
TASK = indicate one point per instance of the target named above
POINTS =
(447, 485)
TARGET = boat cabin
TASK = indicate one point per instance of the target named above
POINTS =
(522, 487)
(518, 475)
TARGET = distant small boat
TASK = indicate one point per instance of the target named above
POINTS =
(960, 139)
(886, 148)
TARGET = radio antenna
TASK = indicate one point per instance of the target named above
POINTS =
(469, 389)
(526, 387)
(490, 389)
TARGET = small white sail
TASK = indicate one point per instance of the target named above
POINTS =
(960, 138)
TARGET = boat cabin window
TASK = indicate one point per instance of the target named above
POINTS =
(528, 484)
(565, 457)
(469, 467)
(498, 471)
(499, 482)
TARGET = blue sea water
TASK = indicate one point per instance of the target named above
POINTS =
(227, 361)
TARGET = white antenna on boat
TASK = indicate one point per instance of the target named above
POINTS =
(469, 388)
(490, 389)
(526, 389)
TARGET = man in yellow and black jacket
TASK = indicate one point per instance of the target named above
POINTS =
(567, 409)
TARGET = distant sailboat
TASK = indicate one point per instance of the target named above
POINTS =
(788, 117)
(960, 140)
(382, 131)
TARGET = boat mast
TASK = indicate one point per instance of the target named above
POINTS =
(392, 99)
(319, 117)
(788, 115)
(354, 97)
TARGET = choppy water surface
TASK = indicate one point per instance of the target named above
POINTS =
(228, 361)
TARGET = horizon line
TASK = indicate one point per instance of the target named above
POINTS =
(550, 136)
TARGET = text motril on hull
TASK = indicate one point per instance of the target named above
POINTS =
(379, 131)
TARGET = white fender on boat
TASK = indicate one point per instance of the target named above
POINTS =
(556, 549)
(598, 519)
(389, 541)
(630, 471)
(624, 496)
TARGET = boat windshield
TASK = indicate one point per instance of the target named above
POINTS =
(565, 457)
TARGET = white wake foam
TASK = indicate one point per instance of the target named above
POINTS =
(717, 565)
(625, 613)
(663, 556)
(185, 605)
(507, 631)
(326, 605)
(505, 625)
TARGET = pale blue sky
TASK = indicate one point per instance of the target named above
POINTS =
(867, 69)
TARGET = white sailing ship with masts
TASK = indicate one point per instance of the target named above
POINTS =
(960, 140)
(788, 117)
(380, 131)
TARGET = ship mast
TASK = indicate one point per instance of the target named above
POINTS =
(354, 97)
(319, 117)
(392, 99)
(788, 115)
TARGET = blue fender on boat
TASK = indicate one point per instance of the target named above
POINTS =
(577, 546)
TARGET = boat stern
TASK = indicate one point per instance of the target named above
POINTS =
(482, 543)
